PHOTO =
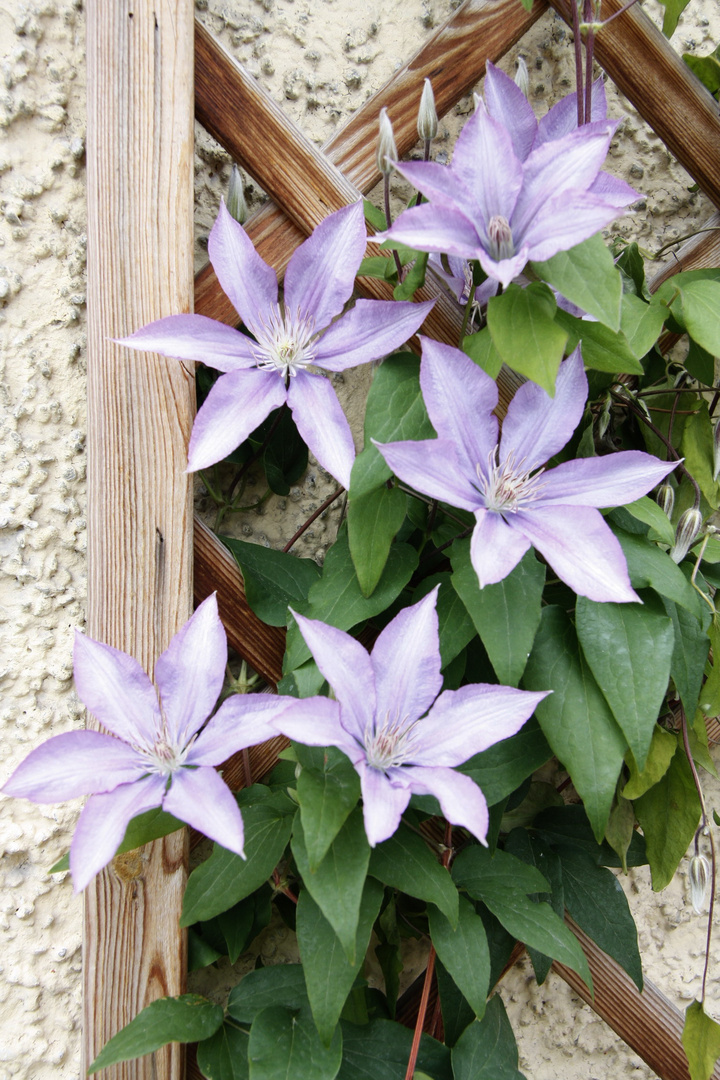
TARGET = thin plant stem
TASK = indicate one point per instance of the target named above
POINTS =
(578, 61)
(420, 1022)
(693, 576)
(306, 525)
(688, 236)
(388, 221)
(713, 404)
(623, 9)
(589, 49)
(466, 313)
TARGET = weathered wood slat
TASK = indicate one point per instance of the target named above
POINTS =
(140, 412)
(699, 253)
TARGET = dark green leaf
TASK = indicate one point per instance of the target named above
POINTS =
(663, 746)
(380, 1051)
(284, 1043)
(286, 457)
(525, 333)
(373, 521)
(701, 312)
(278, 984)
(273, 580)
(569, 827)
(533, 850)
(464, 952)
(669, 814)
(648, 511)
(405, 862)
(690, 651)
(200, 952)
(697, 446)
(187, 1018)
(649, 567)
(243, 922)
(328, 787)
(501, 768)
(701, 1040)
(483, 874)
(224, 1055)
(586, 275)
(456, 1013)
(487, 1050)
(602, 349)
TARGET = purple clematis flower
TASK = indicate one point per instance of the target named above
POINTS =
(400, 736)
(516, 190)
(517, 504)
(264, 374)
(154, 756)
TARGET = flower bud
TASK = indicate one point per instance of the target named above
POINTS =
(686, 532)
(427, 121)
(236, 204)
(665, 498)
(522, 77)
(699, 876)
(386, 150)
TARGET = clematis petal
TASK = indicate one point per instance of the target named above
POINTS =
(467, 721)
(191, 671)
(194, 337)
(406, 662)
(562, 118)
(235, 406)
(567, 220)
(116, 690)
(346, 665)
(368, 331)
(485, 162)
(432, 228)
(460, 399)
(495, 547)
(461, 800)
(202, 799)
(507, 104)
(440, 185)
(537, 426)
(242, 720)
(504, 270)
(383, 804)
(316, 721)
(433, 467)
(322, 424)
(102, 824)
(613, 191)
(612, 480)
(246, 279)
(72, 764)
(581, 549)
(320, 276)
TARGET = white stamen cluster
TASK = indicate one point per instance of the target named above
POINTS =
(507, 487)
(500, 239)
(389, 744)
(163, 756)
(285, 342)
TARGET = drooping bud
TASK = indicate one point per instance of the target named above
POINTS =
(699, 876)
(522, 76)
(716, 450)
(236, 204)
(386, 149)
(665, 498)
(427, 121)
(686, 533)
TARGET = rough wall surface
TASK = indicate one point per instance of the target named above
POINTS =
(320, 59)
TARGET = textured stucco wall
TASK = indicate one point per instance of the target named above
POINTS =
(320, 59)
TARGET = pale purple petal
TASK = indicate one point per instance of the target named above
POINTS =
(433, 467)
(565, 221)
(235, 406)
(346, 665)
(504, 270)
(432, 228)
(383, 803)
(369, 331)
(495, 548)
(537, 426)
(315, 721)
(242, 720)
(562, 118)
(613, 191)
(581, 549)
(72, 764)
(612, 480)
(406, 662)
(194, 337)
(191, 671)
(245, 278)
(439, 184)
(322, 424)
(465, 722)
(460, 399)
(320, 276)
(484, 160)
(461, 800)
(202, 799)
(506, 103)
(116, 690)
(101, 826)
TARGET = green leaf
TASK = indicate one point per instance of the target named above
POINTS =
(701, 1041)
(414, 279)
(701, 312)
(200, 952)
(481, 350)
(278, 984)
(337, 884)
(586, 275)
(649, 567)
(483, 874)
(187, 1018)
(328, 788)
(690, 652)
(501, 768)
(456, 1013)
(602, 349)
(455, 627)
(669, 814)
(648, 511)
(533, 850)
(242, 923)
(506, 615)
(286, 457)
(373, 521)
(273, 580)
(673, 11)
(696, 446)
(224, 879)
(380, 1051)
(569, 827)
(525, 333)
(621, 827)
(595, 899)
(487, 1049)
(329, 975)
(663, 746)
(141, 830)
(284, 1043)
(224, 1055)
(405, 862)
(707, 69)
(710, 694)
(641, 323)
(575, 719)
(378, 266)
(629, 648)
(464, 952)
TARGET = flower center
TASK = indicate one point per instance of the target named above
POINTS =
(285, 342)
(389, 744)
(507, 487)
(500, 237)
(163, 756)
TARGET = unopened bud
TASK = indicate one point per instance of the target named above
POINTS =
(522, 78)
(716, 450)
(236, 197)
(665, 498)
(386, 149)
(699, 877)
(686, 532)
(427, 121)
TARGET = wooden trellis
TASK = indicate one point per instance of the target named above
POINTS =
(140, 62)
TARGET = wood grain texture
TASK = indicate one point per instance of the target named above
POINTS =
(645, 67)
(140, 412)
(699, 253)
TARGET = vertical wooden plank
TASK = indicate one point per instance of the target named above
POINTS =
(140, 410)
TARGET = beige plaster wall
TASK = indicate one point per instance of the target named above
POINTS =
(320, 59)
